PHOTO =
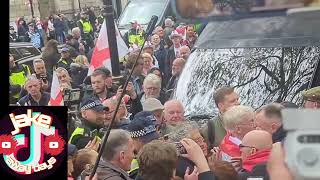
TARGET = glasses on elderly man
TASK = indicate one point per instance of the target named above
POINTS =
(243, 146)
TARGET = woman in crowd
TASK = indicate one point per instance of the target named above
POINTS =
(79, 69)
(147, 58)
(64, 78)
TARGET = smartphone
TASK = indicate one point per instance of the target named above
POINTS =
(182, 165)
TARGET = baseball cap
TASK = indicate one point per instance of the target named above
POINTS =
(152, 104)
(143, 127)
(65, 49)
(94, 104)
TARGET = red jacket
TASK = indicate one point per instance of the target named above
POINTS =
(230, 147)
(251, 161)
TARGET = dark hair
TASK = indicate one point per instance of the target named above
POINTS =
(272, 110)
(288, 104)
(99, 72)
(152, 162)
(105, 70)
(221, 93)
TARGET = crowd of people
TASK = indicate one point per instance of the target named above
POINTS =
(151, 139)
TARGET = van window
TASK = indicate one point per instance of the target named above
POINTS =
(28, 51)
(141, 11)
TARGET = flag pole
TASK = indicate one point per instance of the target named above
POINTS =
(112, 40)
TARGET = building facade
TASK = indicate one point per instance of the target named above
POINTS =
(43, 8)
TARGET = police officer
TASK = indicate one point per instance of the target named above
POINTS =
(17, 78)
(135, 35)
(93, 115)
(312, 98)
(86, 29)
(66, 59)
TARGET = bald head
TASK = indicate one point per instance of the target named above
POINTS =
(184, 52)
(259, 139)
(173, 112)
(177, 66)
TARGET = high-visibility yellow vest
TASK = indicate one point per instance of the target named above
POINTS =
(79, 131)
(86, 26)
(134, 166)
(136, 39)
(19, 78)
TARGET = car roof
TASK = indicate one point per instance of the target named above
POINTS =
(21, 44)
(278, 31)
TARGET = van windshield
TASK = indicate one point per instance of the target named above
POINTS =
(141, 11)
(259, 75)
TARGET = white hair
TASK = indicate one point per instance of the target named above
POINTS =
(168, 22)
(236, 115)
(75, 30)
(152, 79)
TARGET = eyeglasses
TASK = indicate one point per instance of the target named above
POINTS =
(152, 88)
(243, 146)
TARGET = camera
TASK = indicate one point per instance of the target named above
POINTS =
(302, 144)
(71, 95)
(42, 77)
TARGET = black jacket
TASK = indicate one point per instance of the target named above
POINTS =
(259, 171)
(171, 56)
(279, 135)
(29, 101)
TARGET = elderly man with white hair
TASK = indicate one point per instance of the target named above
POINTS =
(238, 121)
(152, 89)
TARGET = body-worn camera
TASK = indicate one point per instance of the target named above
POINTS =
(302, 144)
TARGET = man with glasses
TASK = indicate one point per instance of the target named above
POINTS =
(255, 150)
(121, 121)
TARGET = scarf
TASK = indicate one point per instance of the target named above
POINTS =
(230, 147)
(251, 161)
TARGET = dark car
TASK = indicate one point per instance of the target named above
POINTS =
(24, 53)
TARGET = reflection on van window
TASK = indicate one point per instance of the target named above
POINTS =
(259, 75)
(141, 11)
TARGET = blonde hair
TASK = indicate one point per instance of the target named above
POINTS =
(152, 79)
(147, 55)
(81, 59)
(235, 115)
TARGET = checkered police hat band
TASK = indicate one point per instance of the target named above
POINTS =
(89, 106)
(143, 132)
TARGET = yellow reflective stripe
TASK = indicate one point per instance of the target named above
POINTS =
(63, 61)
(18, 78)
(28, 69)
(134, 165)
(77, 131)
(86, 26)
